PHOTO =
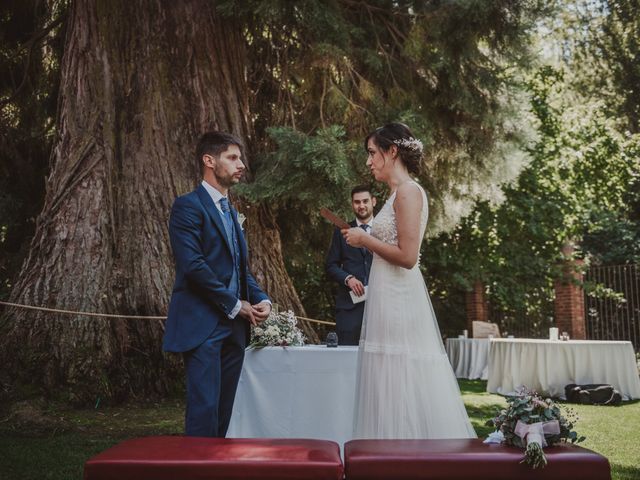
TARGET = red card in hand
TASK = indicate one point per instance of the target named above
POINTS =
(333, 218)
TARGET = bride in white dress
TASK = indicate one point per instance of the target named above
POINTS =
(405, 386)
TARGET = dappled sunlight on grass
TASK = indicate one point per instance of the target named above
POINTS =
(165, 418)
(613, 432)
(481, 406)
(58, 440)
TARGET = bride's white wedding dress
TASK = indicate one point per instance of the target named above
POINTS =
(405, 387)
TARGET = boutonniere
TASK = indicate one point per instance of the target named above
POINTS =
(241, 218)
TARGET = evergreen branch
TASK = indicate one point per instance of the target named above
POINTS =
(324, 92)
(380, 47)
(349, 101)
(31, 44)
(382, 10)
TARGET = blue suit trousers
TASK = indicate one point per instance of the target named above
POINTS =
(213, 370)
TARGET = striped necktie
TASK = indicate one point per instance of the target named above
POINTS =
(226, 216)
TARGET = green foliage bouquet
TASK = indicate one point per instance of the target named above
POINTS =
(532, 422)
(280, 329)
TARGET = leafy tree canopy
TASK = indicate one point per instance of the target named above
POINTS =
(577, 186)
(444, 68)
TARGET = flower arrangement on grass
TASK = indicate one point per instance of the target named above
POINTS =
(531, 422)
(280, 329)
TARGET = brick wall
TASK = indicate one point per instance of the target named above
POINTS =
(569, 301)
(476, 306)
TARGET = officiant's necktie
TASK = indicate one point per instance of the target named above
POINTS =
(233, 240)
(365, 227)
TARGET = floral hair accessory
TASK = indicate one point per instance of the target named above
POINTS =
(410, 143)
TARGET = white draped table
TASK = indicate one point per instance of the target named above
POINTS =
(296, 392)
(469, 357)
(547, 366)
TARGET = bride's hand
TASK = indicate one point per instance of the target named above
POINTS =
(354, 236)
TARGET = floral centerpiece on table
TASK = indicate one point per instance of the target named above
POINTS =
(531, 422)
(280, 329)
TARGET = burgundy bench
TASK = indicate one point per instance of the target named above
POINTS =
(464, 460)
(187, 458)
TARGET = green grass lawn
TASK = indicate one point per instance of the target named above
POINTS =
(53, 443)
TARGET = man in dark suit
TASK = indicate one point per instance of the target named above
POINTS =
(215, 298)
(349, 268)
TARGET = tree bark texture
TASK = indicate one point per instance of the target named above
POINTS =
(266, 259)
(140, 81)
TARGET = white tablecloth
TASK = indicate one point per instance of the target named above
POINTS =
(469, 357)
(547, 366)
(296, 392)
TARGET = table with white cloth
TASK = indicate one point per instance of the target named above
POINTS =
(296, 392)
(469, 357)
(547, 365)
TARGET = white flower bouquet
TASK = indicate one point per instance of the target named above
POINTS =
(280, 329)
(531, 422)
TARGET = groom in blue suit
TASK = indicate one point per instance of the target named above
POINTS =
(215, 298)
(349, 267)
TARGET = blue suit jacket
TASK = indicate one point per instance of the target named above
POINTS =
(343, 260)
(204, 265)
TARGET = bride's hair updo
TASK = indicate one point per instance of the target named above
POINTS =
(398, 134)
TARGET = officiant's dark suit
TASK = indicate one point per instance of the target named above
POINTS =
(215, 297)
(347, 265)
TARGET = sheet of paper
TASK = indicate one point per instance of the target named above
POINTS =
(361, 298)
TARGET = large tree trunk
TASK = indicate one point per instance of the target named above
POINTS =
(140, 81)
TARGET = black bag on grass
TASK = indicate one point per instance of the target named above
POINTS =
(597, 394)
